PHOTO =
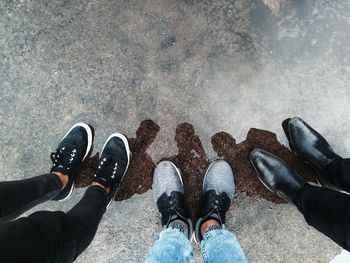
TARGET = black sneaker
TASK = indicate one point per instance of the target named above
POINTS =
(168, 193)
(218, 192)
(71, 152)
(113, 163)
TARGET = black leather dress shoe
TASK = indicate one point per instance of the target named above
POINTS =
(311, 147)
(276, 175)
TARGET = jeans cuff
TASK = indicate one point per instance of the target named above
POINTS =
(210, 233)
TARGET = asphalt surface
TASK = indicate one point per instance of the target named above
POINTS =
(219, 65)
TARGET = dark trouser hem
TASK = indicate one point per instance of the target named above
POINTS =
(338, 172)
(326, 210)
(16, 197)
(53, 236)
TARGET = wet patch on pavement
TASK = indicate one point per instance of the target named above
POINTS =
(193, 161)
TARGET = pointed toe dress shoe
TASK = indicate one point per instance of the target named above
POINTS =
(312, 148)
(276, 175)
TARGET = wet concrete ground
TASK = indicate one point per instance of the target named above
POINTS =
(219, 65)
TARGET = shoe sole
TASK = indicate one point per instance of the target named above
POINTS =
(206, 173)
(88, 148)
(178, 172)
(128, 153)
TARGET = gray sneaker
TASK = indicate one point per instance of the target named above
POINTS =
(168, 193)
(218, 192)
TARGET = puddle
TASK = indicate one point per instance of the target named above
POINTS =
(193, 162)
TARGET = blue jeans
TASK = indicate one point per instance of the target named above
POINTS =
(218, 246)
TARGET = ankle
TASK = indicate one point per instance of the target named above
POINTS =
(107, 189)
(208, 224)
(63, 178)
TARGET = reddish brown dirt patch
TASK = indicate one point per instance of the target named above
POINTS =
(139, 176)
(237, 155)
(193, 161)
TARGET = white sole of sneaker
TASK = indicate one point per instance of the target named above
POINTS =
(206, 173)
(178, 172)
(88, 148)
(128, 152)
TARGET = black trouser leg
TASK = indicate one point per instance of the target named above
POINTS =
(86, 216)
(338, 172)
(326, 210)
(18, 196)
(53, 236)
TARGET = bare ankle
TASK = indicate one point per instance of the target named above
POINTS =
(207, 224)
(63, 178)
(107, 189)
